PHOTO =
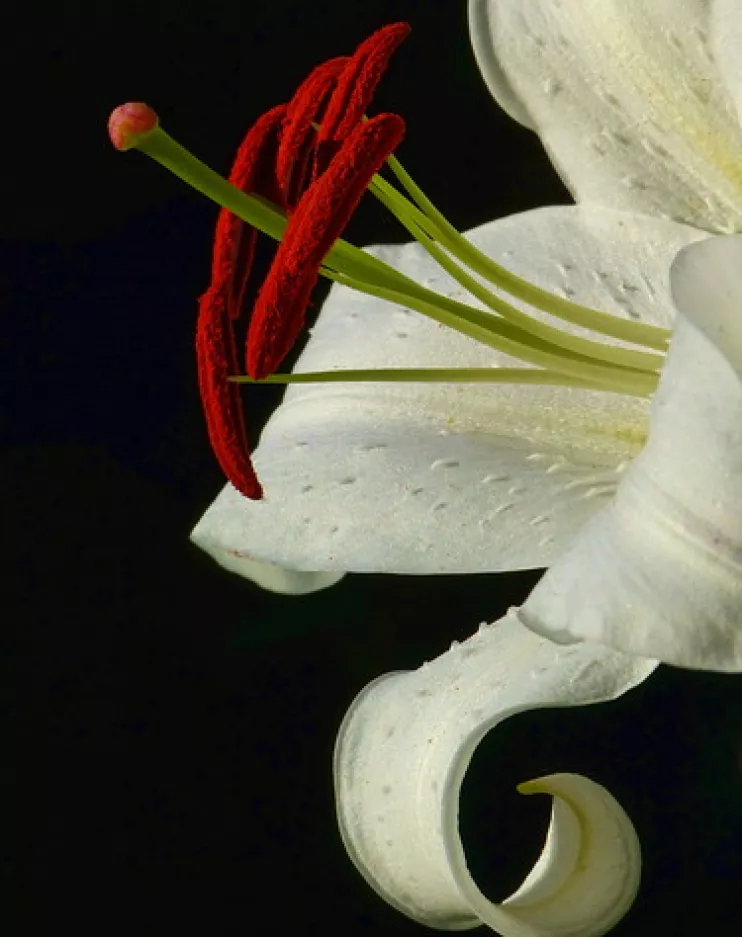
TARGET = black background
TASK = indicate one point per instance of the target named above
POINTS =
(174, 724)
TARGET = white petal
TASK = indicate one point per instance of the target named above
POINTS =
(726, 43)
(626, 98)
(659, 571)
(400, 759)
(706, 290)
(272, 577)
(482, 29)
(450, 478)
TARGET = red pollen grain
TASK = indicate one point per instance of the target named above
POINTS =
(319, 219)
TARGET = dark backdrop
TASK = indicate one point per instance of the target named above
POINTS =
(175, 724)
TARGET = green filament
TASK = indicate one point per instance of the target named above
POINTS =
(638, 333)
(503, 337)
(612, 354)
(566, 359)
(537, 376)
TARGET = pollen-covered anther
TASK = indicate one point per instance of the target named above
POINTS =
(298, 135)
(319, 220)
(279, 172)
(221, 305)
(129, 123)
(215, 348)
(355, 88)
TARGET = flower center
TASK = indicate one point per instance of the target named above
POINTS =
(298, 177)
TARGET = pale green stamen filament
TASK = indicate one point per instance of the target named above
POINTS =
(502, 336)
(578, 361)
(612, 354)
(638, 333)
(424, 376)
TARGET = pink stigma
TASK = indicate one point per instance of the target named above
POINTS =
(128, 123)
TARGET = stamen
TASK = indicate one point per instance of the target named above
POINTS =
(261, 214)
(501, 335)
(298, 136)
(362, 271)
(217, 360)
(324, 124)
(539, 376)
(439, 227)
(253, 171)
(234, 246)
(318, 221)
(356, 87)
(414, 221)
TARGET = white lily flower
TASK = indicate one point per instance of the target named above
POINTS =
(644, 536)
(472, 478)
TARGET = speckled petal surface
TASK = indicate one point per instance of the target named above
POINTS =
(627, 98)
(431, 478)
(400, 759)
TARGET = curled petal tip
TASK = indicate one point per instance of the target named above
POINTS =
(130, 122)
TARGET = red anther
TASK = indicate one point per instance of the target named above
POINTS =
(128, 123)
(253, 171)
(298, 135)
(356, 86)
(319, 219)
(234, 246)
(274, 162)
(217, 360)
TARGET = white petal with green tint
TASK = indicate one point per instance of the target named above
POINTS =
(424, 478)
(400, 759)
(659, 571)
(626, 98)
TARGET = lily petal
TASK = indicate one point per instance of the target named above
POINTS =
(706, 289)
(627, 100)
(275, 578)
(436, 478)
(726, 42)
(659, 571)
(400, 759)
